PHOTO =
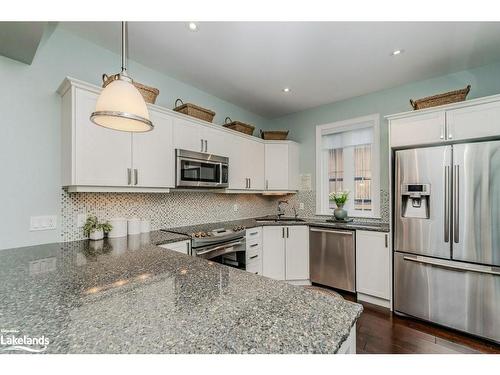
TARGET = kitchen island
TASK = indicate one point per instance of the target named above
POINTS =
(127, 295)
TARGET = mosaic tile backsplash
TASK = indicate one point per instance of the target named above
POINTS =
(184, 208)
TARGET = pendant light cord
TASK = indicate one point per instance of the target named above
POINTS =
(124, 46)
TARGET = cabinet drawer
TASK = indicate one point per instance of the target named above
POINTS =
(254, 253)
(254, 267)
(254, 233)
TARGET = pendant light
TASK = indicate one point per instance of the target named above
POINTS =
(120, 105)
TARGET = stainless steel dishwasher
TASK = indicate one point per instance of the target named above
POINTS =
(332, 258)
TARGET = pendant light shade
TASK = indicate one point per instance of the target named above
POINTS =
(120, 105)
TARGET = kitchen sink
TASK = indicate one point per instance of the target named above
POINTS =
(276, 219)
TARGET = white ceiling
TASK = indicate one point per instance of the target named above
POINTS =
(248, 63)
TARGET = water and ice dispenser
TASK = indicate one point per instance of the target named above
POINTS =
(415, 200)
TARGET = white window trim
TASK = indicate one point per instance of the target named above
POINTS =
(337, 127)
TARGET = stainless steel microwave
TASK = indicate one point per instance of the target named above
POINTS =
(197, 169)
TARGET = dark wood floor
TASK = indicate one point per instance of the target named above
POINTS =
(381, 332)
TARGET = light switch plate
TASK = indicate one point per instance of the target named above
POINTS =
(235, 208)
(301, 206)
(46, 222)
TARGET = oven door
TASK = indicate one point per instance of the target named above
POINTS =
(195, 172)
(230, 253)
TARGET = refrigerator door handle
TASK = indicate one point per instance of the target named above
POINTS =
(453, 265)
(446, 204)
(456, 205)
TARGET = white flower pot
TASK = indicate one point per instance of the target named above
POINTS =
(96, 234)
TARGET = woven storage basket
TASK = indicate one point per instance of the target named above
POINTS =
(194, 111)
(274, 135)
(148, 93)
(441, 99)
(239, 126)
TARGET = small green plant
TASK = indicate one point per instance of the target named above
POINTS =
(339, 197)
(92, 224)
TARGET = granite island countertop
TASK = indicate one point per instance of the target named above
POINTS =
(129, 296)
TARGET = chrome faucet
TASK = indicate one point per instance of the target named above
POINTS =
(281, 208)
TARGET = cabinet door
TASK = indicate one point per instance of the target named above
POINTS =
(373, 264)
(276, 166)
(418, 130)
(238, 159)
(297, 253)
(103, 156)
(479, 121)
(188, 135)
(254, 163)
(218, 141)
(153, 155)
(273, 252)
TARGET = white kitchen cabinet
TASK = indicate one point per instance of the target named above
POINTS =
(180, 246)
(281, 165)
(153, 155)
(478, 121)
(246, 163)
(373, 267)
(254, 250)
(95, 158)
(101, 156)
(421, 129)
(285, 254)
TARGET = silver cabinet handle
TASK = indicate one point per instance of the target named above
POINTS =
(206, 145)
(453, 265)
(253, 257)
(287, 232)
(201, 148)
(249, 183)
(456, 208)
(136, 176)
(446, 204)
(346, 233)
(255, 244)
(253, 233)
(129, 176)
(386, 241)
(267, 184)
(283, 232)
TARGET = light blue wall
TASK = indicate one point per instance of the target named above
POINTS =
(30, 126)
(484, 80)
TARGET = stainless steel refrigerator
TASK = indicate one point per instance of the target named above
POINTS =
(447, 236)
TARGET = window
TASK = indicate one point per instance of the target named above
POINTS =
(347, 158)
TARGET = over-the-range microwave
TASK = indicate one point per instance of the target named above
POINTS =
(197, 169)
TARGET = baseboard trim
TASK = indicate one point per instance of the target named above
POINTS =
(374, 300)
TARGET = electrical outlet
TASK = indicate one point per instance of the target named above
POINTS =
(235, 208)
(47, 222)
(301, 206)
(80, 220)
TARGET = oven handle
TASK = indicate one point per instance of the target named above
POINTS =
(221, 247)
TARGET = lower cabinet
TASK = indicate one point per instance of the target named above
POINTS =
(183, 247)
(285, 254)
(254, 250)
(373, 267)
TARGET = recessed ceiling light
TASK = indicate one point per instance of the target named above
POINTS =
(397, 52)
(193, 26)
(286, 89)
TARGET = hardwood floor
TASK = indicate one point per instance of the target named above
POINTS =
(379, 331)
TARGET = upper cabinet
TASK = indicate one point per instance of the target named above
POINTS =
(95, 158)
(100, 159)
(472, 119)
(281, 165)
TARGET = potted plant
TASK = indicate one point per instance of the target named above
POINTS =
(95, 230)
(339, 197)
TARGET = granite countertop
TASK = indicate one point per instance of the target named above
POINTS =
(127, 295)
(251, 223)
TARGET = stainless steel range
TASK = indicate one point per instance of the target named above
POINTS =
(222, 245)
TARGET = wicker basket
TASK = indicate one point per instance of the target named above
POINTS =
(441, 99)
(274, 135)
(239, 126)
(194, 111)
(148, 93)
